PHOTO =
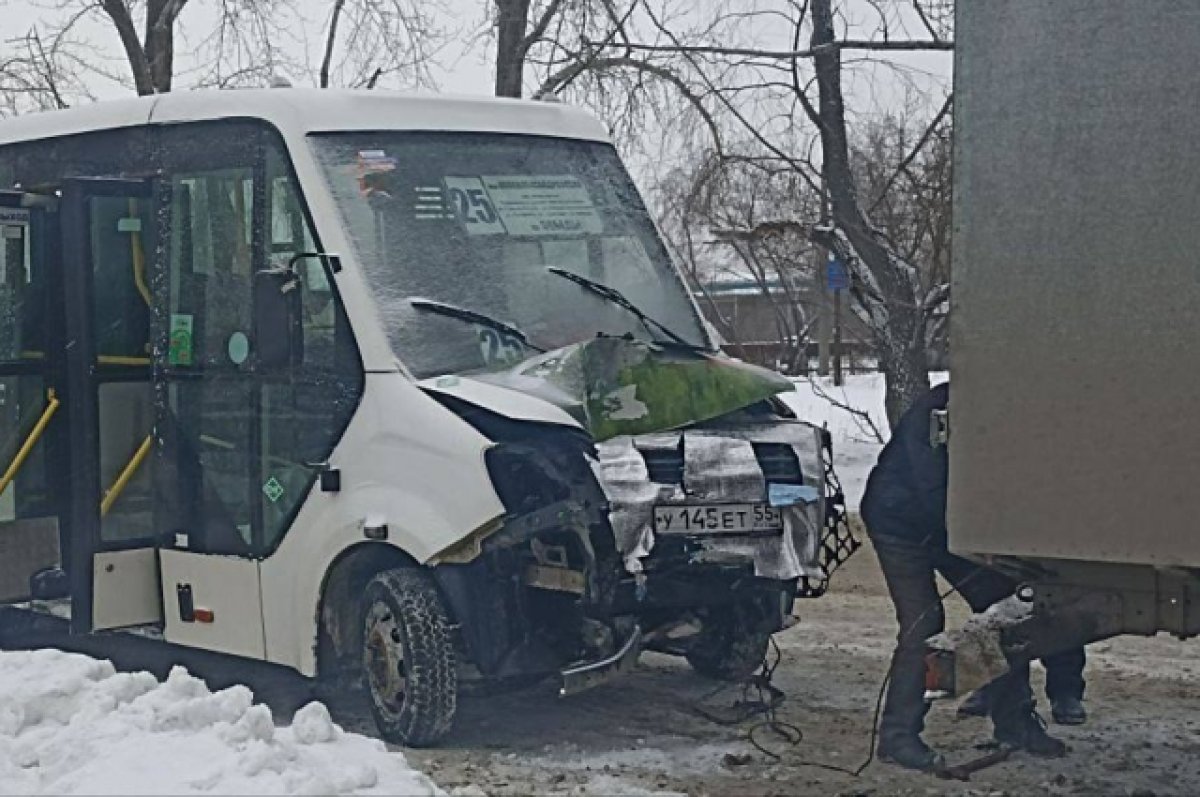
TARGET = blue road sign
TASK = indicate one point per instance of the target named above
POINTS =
(837, 278)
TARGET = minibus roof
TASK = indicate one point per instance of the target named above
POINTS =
(312, 111)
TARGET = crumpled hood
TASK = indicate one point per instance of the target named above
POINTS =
(614, 386)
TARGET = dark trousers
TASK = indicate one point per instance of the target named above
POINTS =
(909, 570)
(1064, 674)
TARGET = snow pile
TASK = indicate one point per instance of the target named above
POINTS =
(70, 724)
(855, 447)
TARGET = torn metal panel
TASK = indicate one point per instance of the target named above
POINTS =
(721, 469)
(632, 497)
(720, 466)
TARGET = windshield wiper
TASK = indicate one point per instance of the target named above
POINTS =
(474, 317)
(620, 300)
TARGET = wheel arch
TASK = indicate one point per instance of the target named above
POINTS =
(341, 587)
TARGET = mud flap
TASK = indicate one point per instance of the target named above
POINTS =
(582, 677)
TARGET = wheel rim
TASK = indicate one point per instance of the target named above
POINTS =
(385, 657)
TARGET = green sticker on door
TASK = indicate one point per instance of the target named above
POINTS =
(273, 490)
(179, 351)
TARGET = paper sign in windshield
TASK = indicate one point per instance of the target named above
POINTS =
(472, 205)
(543, 205)
(13, 216)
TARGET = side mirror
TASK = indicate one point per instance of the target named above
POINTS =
(279, 311)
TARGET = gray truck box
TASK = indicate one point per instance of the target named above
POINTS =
(1075, 322)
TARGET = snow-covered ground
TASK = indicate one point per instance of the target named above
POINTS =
(70, 724)
(856, 441)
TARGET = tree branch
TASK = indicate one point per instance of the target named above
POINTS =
(785, 55)
(925, 20)
(330, 42)
(539, 28)
(861, 418)
(569, 73)
(920, 145)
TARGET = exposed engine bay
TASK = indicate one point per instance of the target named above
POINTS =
(693, 541)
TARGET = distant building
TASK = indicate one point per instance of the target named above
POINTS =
(763, 324)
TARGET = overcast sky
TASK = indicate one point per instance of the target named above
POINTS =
(464, 66)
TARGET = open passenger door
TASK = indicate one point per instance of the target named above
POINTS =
(137, 479)
(109, 235)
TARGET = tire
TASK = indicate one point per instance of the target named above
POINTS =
(728, 648)
(409, 664)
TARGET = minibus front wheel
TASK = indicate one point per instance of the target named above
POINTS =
(408, 657)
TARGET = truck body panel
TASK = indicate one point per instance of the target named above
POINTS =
(1076, 283)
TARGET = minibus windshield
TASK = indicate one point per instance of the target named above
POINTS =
(476, 220)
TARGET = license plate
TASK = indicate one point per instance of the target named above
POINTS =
(717, 519)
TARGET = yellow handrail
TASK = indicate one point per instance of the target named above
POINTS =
(138, 255)
(114, 492)
(27, 447)
(102, 359)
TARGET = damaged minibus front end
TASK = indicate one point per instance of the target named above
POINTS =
(652, 492)
(680, 508)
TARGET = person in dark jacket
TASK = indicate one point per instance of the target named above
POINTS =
(904, 508)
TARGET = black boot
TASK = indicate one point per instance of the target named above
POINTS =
(1068, 711)
(909, 752)
(1026, 730)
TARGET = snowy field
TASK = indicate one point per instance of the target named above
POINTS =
(70, 724)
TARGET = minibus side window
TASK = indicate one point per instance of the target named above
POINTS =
(209, 418)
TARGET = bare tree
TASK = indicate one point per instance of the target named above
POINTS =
(34, 75)
(707, 211)
(767, 93)
(236, 43)
(369, 40)
(151, 54)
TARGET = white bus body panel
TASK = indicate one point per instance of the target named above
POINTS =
(406, 462)
(126, 589)
(225, 585)
(501, 400)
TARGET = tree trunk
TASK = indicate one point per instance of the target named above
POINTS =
(905, 367)
(898, 321)
(511, 27)
(160, 45)
(122, 20)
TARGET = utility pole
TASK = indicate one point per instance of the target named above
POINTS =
(837, 338)
(837, 278)
(825, 323)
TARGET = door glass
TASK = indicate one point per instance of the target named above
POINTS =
(239, 441)
(121, 235)
(21, 292)
(208, 423)
(22, 391)
(305, 410)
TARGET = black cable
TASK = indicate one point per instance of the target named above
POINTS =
(770, 697)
